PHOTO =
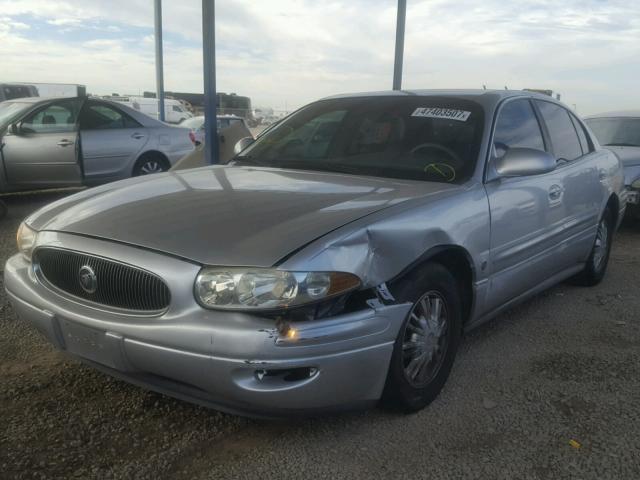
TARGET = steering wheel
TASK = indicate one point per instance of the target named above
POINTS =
(434, 146)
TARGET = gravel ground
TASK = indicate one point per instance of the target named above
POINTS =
(549, 390)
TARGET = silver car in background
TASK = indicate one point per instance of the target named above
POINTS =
(620, 133)
(337, 260)
(63, 142)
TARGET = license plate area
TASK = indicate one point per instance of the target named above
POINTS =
(89, 343)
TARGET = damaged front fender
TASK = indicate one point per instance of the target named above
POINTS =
(380, 246)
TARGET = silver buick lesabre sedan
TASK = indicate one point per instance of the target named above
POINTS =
(336, 261)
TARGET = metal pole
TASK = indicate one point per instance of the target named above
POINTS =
(397, 66)
(210, 97)
(157, 11)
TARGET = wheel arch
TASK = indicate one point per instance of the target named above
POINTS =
(613, 204)
(458, 261)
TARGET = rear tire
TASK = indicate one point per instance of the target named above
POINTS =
(150, 163)
(596, 266)
(428, 339)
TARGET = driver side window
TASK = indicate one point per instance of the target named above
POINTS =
(517, 126)
(59, 117)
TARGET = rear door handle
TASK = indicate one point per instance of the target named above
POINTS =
(555, 192)
(65, 143)
(137, 136)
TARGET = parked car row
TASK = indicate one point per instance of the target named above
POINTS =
(334, 262)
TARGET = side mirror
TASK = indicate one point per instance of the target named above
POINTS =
(14, 129)
(242, 144)
(521, 162)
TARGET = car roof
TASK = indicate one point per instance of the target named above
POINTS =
(616, 114)
(487, 98)
(444, 93)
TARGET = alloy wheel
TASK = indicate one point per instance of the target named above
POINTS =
(425, 339)
(602, 244)
(151, 166)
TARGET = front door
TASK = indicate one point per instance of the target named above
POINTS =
(579, 165)
(528, 214)
(44, 151)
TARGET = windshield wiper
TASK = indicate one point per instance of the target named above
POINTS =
(620, 145)
(324, 167)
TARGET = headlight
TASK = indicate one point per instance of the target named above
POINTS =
(26, 238)
(267, 289)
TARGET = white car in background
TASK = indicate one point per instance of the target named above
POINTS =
(63, 142)
(196, 126)
(231, 131)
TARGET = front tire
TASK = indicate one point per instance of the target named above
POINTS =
(596, 265)
(428, 339)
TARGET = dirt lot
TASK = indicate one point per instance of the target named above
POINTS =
(562, 368)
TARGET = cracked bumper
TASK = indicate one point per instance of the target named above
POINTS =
(218, 359)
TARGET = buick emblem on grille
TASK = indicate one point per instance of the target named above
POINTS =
(87, 278)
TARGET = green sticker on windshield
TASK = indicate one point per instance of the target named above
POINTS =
(446, 113)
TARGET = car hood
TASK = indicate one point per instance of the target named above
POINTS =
(227, 215)
(629, 156)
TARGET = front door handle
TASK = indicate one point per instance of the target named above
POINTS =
(137, 136)
(65, 143)
(555, 192)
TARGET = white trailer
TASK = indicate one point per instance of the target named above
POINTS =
(174, 110)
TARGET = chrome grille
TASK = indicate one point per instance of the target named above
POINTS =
(117, 285)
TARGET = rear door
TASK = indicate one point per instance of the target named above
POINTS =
(44, 152)
(528, 214)
(111, 141)
(580, 175)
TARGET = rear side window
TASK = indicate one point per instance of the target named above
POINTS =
(517, 126)
(564, 138)
(97, 116)
(582, 136)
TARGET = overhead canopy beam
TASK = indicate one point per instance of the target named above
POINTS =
(210, 97)
(397, 65)
(157, 13)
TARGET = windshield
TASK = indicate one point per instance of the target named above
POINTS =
(9, 111)
(195, 122)
(418, 138)
(623, 132)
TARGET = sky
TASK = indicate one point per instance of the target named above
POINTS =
(285, 53)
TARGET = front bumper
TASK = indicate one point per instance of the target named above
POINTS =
(233, 362)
